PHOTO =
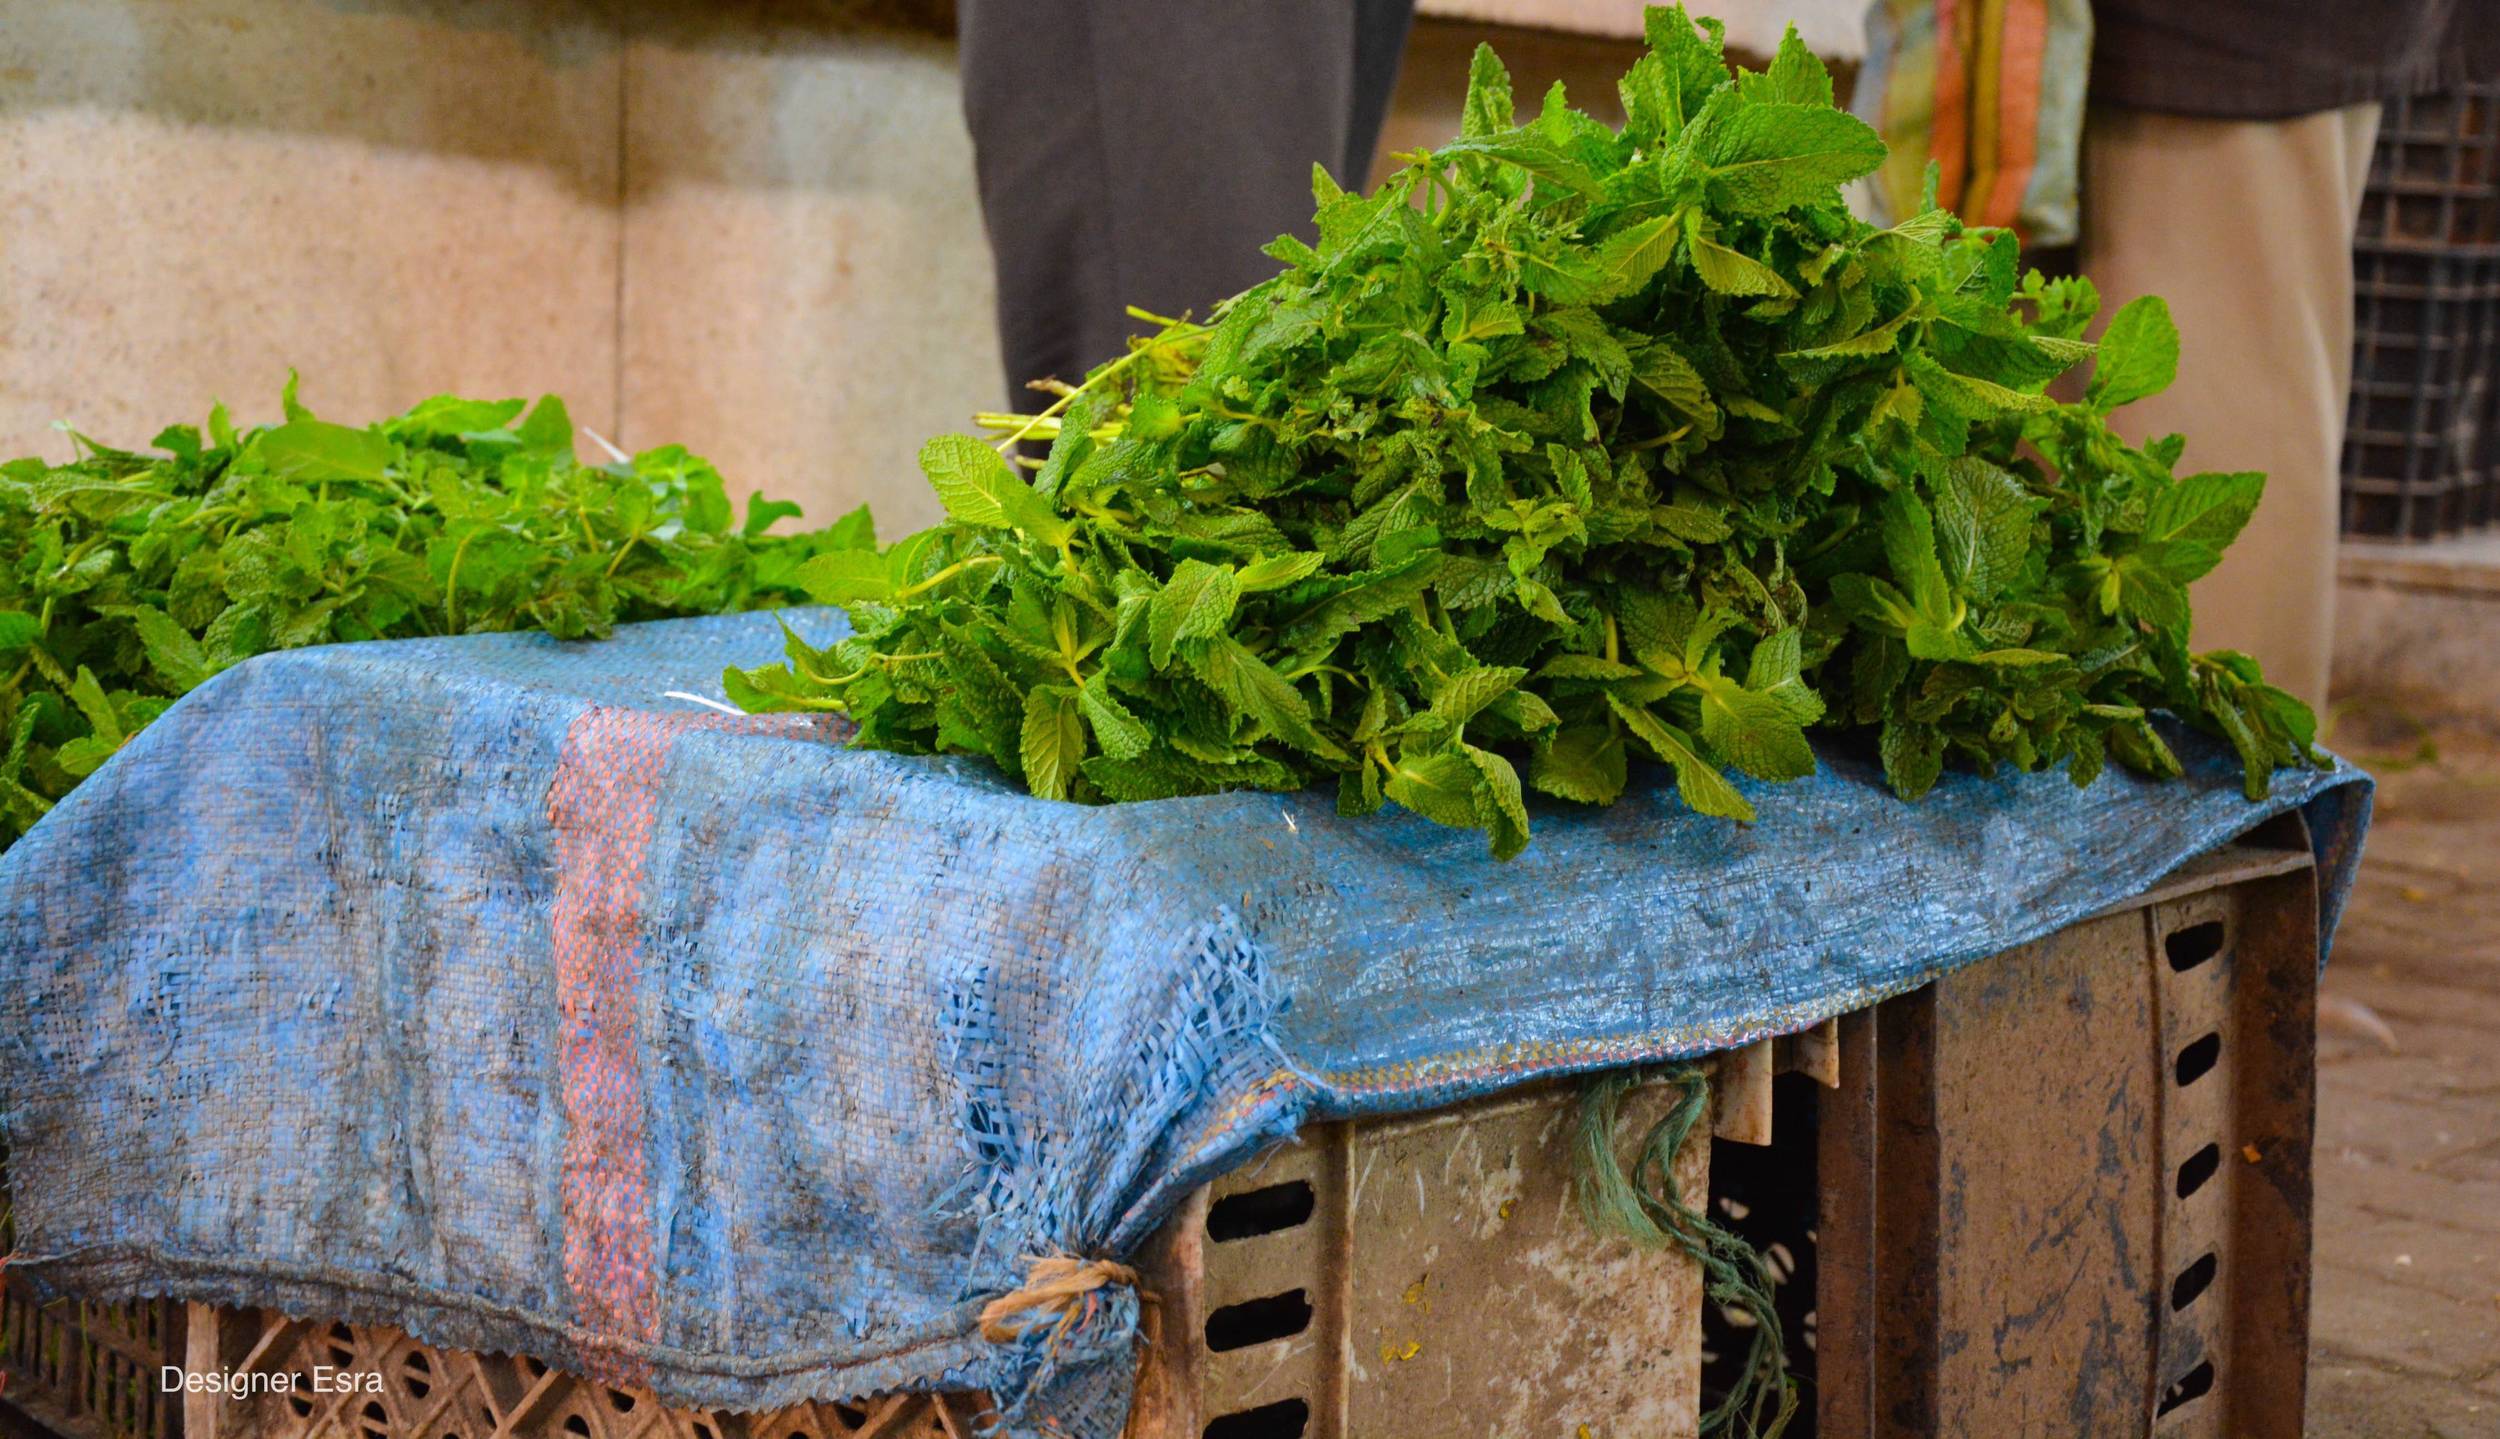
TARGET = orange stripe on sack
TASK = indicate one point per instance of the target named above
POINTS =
(1949, 143)
(602, 807)
(1985, 39)
(2026, 40)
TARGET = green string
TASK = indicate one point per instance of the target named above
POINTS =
(1641, 1203)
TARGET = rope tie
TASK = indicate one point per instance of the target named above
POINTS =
(1059, 1291)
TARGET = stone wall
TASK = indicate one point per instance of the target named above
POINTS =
(746, 227)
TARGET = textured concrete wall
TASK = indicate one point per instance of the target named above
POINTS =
(749, 227)
(396, 199)
(807, 291)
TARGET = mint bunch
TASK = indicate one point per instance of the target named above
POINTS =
(126, 579)
(1572, 446)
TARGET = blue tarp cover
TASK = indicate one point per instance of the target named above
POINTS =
(479, 987)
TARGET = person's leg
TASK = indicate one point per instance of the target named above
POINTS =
(1140, 152)
(1380, 28)
(2245, 227)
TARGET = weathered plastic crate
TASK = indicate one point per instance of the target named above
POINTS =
(2422, 435)
(2064, 1190)
(431, 1393)
(89, 1369)
(1448, 1248)
(2068, 1190)
(1425, 1276)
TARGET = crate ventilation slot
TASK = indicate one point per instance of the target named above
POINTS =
(1258, 1321)
(2192, 1281)
(1261, 1211)
(2192, 1386)
(1284, 1419)
(2198, 1058)
(2199, 1167)
(2193, 945)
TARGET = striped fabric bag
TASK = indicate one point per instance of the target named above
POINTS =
(1990, 91)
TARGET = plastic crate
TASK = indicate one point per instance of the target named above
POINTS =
(2422, 439)
(2065, 1190)
(87, 1369)
(1450, 1242)
(432, 1393)
(2068, 1190)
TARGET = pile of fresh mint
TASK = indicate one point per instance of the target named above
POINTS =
(1572, 446)
(128, 579)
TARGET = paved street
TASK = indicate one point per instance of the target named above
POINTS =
(2406, 1327)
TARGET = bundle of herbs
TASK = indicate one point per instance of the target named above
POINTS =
(1571, 446)
(128, 579)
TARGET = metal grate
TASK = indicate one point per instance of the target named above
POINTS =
(2422, 439)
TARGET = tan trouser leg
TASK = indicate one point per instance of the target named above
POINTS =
(2245, 227)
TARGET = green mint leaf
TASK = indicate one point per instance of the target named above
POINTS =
(1584, 764)
(1246, 682)
(1118, 733)
(103, 720)
(1052, 742)
(549, 431)
(1462, 696)
(1777, 669)
(1983, 526)
(1687, 61)
(1697, 781)
(1910, 548)
(177, 656)
(310, 451)
(1732, 273)
(1196, 603)
(2208, 509)
(1488, 109)
(1762, 158)
(972, 480)
(846, 578)
(18, 631)
(1795, 76)
(1658, 368)
(1501, 810)
(1754, 732)
(1627, 259)
(1277, 571)
(2139, 355)
(1913, 756)
(1441, 786)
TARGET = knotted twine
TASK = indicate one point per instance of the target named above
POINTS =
(1069, 1333)
(1060, 1285)
(1641, 1202)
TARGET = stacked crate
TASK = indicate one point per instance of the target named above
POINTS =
(2422, 440)
(2062, 1190)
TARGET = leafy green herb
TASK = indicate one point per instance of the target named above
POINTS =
(1571, 446)
(128, 579)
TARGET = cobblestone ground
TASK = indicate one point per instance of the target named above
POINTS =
(2406, 1327)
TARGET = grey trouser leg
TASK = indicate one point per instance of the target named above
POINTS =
(1139, 152)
